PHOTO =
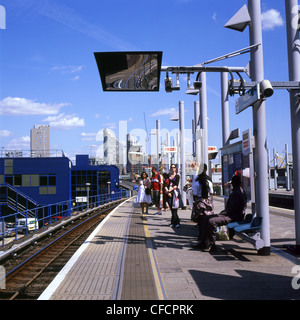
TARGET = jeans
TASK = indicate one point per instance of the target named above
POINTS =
(209, 228)
(174, 219)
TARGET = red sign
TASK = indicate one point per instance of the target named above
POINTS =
(170, 149)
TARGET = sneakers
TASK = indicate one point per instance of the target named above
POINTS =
(212, 248)
(172, 225)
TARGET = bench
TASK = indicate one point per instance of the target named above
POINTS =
(248, 230)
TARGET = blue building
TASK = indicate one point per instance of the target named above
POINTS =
(34, 182)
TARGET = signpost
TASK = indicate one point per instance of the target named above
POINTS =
(247, 100)
(170, 149)
(247, 147)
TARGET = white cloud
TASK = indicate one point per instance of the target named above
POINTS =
(65, 121)
(110, 125)
(5, 133)
(22, 143)
(22, 106)
(271, 19)
(88, 136)
(163, 112)
(67, 69)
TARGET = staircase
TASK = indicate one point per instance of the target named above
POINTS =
(13, 201)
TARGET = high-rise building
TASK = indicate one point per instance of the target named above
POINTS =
(40, 141)
(135, 156)
(112, 149)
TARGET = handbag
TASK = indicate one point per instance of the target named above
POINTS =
(222, 233)
(175, 204)
(148, 191)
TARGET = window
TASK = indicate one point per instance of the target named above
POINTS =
(52, 180)
(8, 166)
(43, 181)
(9, 180)
(17, 180)
(30, 180)
(48, 184)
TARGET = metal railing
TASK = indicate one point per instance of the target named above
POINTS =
(24, 222)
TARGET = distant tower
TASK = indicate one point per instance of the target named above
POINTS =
(40, 141)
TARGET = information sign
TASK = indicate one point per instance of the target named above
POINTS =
(248, 99)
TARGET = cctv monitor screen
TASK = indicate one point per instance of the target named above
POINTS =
(129, 71)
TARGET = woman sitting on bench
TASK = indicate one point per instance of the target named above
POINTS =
(235, 210)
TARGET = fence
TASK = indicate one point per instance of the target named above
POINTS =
(24, 222)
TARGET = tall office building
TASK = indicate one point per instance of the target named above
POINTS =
(135, 156)
(112, 149)
(40, 141)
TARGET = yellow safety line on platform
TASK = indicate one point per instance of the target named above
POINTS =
(155, 269)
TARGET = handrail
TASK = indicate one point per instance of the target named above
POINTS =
(46, 215)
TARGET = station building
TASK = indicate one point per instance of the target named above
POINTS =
(39, 181)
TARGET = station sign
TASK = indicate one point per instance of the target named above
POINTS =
(248, 99)
(246, 143)
(212, 152)
(170, 149)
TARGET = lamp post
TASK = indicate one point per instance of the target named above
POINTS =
(239, 22)
(180, 116)
(158, 146)
(293, 45)
(88, 194)
(182, 151)
(203, 117)
(197, 131)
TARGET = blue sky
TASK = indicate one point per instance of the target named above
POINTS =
(48, 74)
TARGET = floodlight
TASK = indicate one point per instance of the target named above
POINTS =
(240, 20)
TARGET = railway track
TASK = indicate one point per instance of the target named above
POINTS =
(29, 275)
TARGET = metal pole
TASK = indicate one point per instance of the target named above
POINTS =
(259, 126)
(182, 152)
(293, 44)
(194, 138)
(197, 128)
(225, 108)
(275, 168)
(203, 117)
(168, 154)
(158, 142)
(269, 169)
(178, 143)
(287, 168)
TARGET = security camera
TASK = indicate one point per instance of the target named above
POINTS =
(168, 84)
(266, 88)
(197, 84)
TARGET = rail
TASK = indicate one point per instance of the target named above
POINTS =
(35, 267)
(25, 222)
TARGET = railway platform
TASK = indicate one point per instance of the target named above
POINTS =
(134, 256)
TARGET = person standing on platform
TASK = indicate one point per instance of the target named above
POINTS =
(174, 196)
(157, 187)
(202, 189)
(144, 193)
